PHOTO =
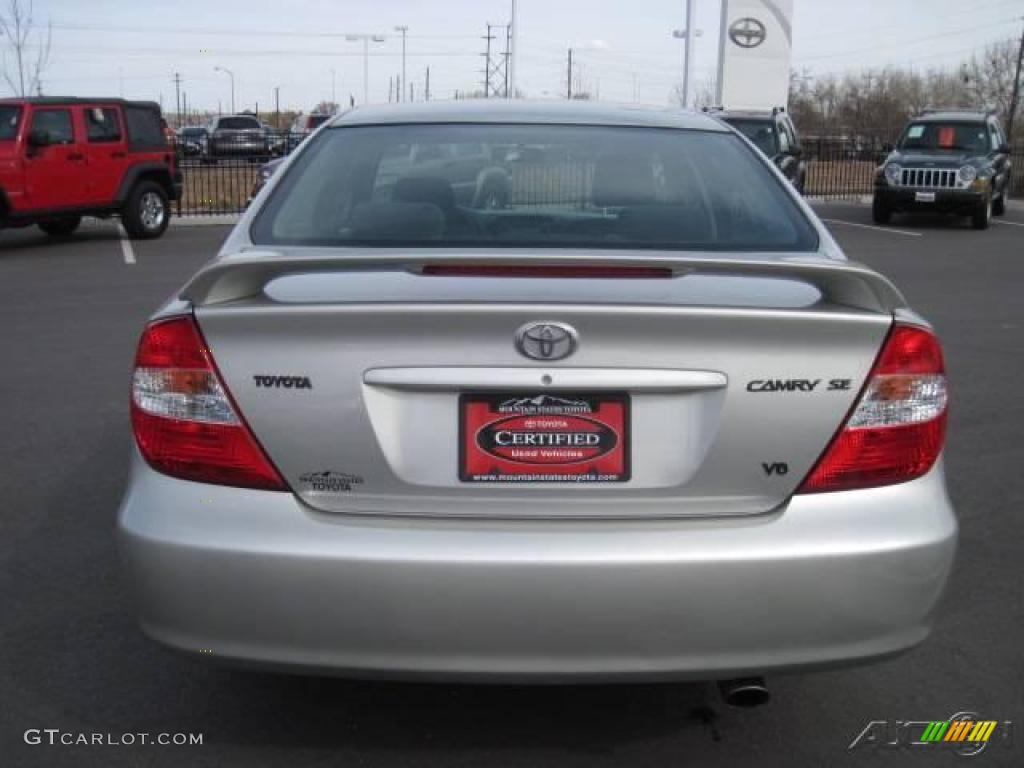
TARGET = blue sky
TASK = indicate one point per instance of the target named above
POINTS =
(106, 47)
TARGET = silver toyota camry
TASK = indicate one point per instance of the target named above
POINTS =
(551, 392)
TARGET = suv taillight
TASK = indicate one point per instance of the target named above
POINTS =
(898, 426)
(184, 420)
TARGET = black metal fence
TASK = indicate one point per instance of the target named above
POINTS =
(222, 182)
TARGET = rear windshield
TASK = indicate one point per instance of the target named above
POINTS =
(10, 118)
(238, 123)
(761, 132)
(543, 186)
(190, 132)
(963, 137)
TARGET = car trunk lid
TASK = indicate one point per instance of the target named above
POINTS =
(357, 373)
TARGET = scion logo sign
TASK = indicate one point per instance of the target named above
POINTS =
(747, 32)
(544, 438)
(964, 734)
(546, 341)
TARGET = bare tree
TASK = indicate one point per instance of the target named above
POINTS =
(988, 78)
(703, 93)
(28, 43)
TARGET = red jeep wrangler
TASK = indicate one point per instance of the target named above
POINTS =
(64, 158)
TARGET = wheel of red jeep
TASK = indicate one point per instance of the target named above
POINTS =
(146, 213)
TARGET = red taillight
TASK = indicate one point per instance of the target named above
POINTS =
(184, 420)
(540, 270)
(898, 426)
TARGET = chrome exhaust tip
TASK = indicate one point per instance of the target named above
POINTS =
(744, 692)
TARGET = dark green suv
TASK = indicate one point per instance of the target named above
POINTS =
(949, 161)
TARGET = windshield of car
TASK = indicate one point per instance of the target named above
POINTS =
(958, 137)
(546, 186)
(761, 132)
(238, 124)
(10, 117)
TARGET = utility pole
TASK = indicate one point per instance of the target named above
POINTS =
(513, 36)
(334, 92)
(403, 29)
(1015, 95)
(426, 92)
(568, 89)
(487, 63)
(391, 89)
(177, 95)
(507, 56)
(277, 107)
(496, 75)
(412, 92)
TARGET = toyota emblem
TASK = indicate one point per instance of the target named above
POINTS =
(546, 341)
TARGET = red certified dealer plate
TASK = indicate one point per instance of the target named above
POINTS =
(544, 437)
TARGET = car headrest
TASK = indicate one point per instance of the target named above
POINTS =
(623, 180)
(396, 221)
(424, 189)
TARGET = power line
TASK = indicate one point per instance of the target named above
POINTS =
(901, 43)
(92, 49)
(235, 32)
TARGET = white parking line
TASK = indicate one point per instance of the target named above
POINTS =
(126, 246)
(877, 229)
(1011, 223)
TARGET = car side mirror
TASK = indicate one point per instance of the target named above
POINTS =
(1003, 149)
(888, 147)
(39, 138)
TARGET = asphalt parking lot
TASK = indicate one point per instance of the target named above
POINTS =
(72, 658)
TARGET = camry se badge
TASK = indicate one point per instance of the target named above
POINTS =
(546, 341)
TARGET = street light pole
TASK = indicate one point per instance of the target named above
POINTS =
(403, 29)
(688, 54)
(687, 35)
(366, 59)
(231, 75)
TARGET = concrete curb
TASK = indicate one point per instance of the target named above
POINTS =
(220, 220)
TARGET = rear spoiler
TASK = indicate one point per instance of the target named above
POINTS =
(245, 274)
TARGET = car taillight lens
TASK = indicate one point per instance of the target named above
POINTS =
(897, 429)
(184, 420)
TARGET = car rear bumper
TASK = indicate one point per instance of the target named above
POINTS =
(259, 577)
(947, 200)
